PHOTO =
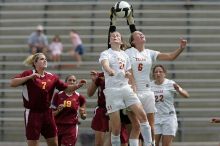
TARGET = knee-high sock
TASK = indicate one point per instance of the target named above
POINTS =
(115, 140)
(146, 133)
(133, 142)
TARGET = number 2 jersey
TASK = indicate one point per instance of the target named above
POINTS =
(164, 96)
(141, 63)
(119, 62)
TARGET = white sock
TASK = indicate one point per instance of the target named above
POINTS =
(146, 133)
(133, 142)
(153, 143)
(115, 140)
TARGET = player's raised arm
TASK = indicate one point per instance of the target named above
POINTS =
(170, 56)
(92, 86)
(130, 21)
(112, 26)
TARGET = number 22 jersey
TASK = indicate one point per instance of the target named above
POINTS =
(164, 96)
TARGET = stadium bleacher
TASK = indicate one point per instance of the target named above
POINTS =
(163, 22)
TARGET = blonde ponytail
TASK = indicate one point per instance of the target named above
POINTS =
(29, 61)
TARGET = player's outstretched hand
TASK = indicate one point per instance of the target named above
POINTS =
(111, 72)
(82, 113)
(81, 83)
(94, 75)
(183, 43)
(60, 107)
(177, 87)
(128, 74)
(112, 16)
(35, 75)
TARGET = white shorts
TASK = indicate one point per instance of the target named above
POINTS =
(56, 52)
(148, 101)
(120, 98)
(166, 124)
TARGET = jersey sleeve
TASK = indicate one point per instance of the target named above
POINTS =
(54, 102)
(60, 85)
(82, 100)
(129, 53)
(153, 55)
(172, 89)
(103, 56)
(128, 63)
(23, 74)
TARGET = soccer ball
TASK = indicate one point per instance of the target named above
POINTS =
(122, 9)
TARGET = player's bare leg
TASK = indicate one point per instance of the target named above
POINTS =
(135, 126)
(157, 139)
(99, 138)
(107, 141)
(144, 124)
(33, 142)
(115, 128)
(167, 140)
(52, 141)
(150, 117)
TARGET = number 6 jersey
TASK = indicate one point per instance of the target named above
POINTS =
(141, 63)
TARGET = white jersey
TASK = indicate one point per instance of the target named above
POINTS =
(119, 62)
(141, 63)
(164, 97)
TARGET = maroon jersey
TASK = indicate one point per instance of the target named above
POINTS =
(72, 103)
(37, 93)
(100, 83)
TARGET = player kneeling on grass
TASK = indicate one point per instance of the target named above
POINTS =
(66, 106)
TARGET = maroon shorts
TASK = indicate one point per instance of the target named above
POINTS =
(124, 134)
(37, 123)
(67, 134)
(100, 120)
